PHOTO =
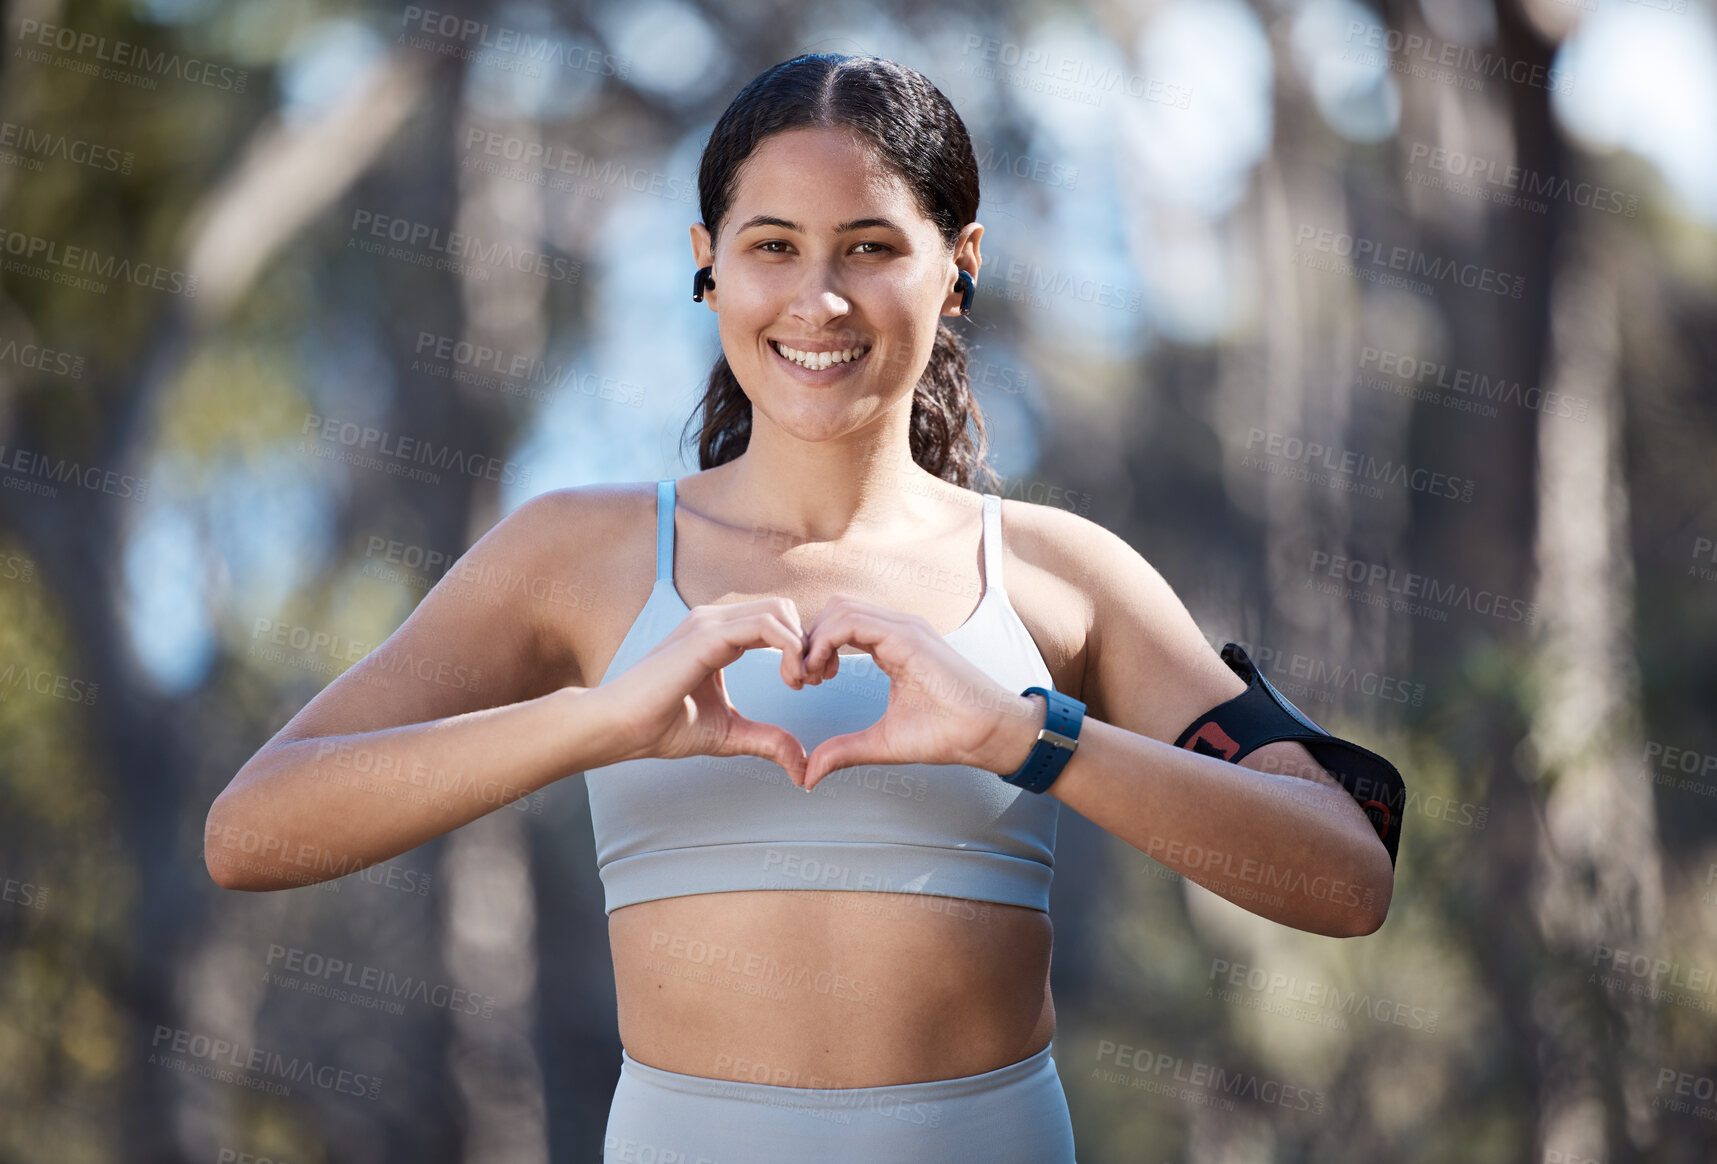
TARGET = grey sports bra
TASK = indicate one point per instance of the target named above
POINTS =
(707, 824)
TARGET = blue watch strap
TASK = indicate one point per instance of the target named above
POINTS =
(1056, 741)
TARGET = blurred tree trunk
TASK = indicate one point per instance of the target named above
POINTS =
(1599, 878)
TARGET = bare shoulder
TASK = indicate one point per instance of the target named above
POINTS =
(1143, 658)
(490, 632)
(1049, 574)
(586, 543)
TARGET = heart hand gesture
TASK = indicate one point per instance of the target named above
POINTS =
(941, 708)
(675, 701)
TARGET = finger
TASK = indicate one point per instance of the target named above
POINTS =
(731, 633)
(826, 636)
(848, 751)
(864, 628)
(754, 738)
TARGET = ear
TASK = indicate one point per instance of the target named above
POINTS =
(703, 255)
(965, 258)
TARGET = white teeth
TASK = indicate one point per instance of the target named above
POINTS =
(818, 360)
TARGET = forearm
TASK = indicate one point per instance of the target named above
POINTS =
(1296, 851)
(310, 810)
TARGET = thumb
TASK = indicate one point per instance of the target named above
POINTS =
(846, 751)
(754, 738)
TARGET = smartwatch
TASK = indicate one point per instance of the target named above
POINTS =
(1055, 741)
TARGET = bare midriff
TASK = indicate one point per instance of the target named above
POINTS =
(836, 988)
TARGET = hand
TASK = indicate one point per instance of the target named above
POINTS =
(675, 700)
(941, 708)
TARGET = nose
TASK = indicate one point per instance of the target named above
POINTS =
(818, 299)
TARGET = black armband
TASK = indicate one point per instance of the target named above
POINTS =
(1261, 715)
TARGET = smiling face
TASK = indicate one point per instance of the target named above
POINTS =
(829, 282)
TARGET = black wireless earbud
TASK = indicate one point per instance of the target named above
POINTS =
(700, 282)
(967, 287)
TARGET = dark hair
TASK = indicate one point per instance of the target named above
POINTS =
(914, 129)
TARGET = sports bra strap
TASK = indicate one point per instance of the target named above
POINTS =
(664, 528)
(992, 542)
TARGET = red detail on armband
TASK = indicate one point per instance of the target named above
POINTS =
(1384, 809)
(1211, 734)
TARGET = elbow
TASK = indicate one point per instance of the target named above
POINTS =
(1374, 891)
(1367, 920)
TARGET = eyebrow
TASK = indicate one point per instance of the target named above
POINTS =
(843, 228)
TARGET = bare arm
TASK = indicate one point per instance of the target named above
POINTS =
(454, 716)
(1275, 833)
(309, 810)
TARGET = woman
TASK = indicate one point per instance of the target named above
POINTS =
(862, 972)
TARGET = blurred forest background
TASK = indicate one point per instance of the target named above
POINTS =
(1388, 334)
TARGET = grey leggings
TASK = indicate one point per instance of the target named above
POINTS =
(1014, 1113)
